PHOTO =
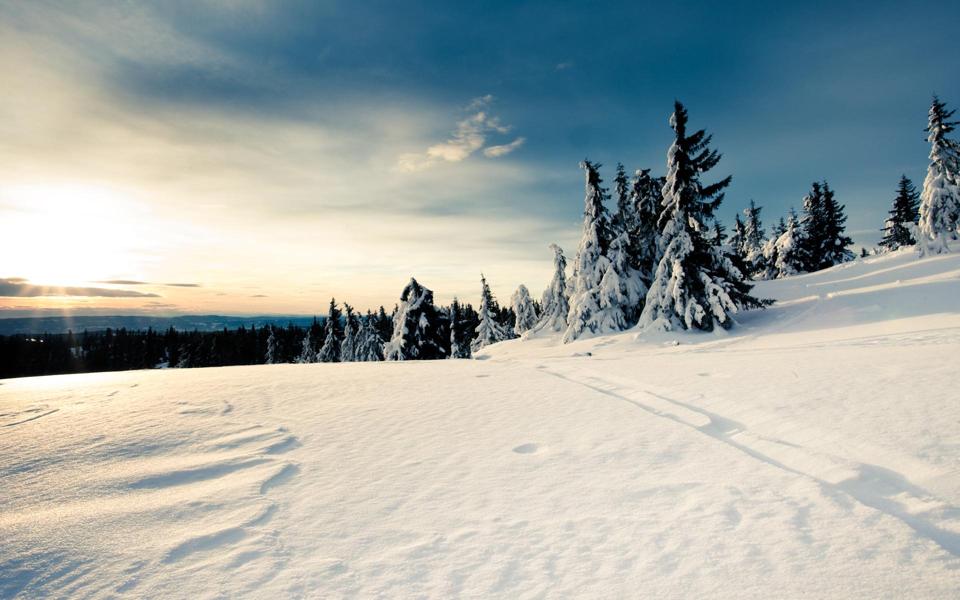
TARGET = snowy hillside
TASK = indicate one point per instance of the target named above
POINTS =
(813, 451)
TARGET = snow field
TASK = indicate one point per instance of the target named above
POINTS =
(811, 452)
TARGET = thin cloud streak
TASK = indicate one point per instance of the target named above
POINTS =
(16, 288)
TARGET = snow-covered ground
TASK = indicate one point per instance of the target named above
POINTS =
(812, 452)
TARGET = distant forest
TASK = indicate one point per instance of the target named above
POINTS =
(121, 349)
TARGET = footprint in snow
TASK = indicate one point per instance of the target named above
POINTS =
(526, 448)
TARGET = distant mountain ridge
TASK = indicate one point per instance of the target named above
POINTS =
(62, 324)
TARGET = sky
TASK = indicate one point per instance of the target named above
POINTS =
(259, 157)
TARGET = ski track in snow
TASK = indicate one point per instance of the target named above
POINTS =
(812, 452)
(873, 486)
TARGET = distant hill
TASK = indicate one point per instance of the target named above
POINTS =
(62, 324)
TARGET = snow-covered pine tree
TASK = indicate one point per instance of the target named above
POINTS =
(646, 197)
(453, 317)
(330, 351)
(420, 331)
(753, 239)
(737, 239)
(898, 230)
(461, 329)
(590, 263)
(624, 220)
(369, 346)
(272, 356)
(696, 285)
(771, 250)
(812, 227)
(526, 314)
(780, 227)
(554, 301)
(788, 258)
(621, 292)
(489, 331)
(940, 199)
(348, 347)
(307, 353)
(834, 241)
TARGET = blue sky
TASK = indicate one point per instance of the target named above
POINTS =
(277, 153)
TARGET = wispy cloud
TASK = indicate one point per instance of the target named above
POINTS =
(564, 66)
(16, 287)
(469, 136)
(495, 151)
(136, 282)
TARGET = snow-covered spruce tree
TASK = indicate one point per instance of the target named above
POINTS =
(898, 230)
(787, 259)
(590, 263)
(696, 285)
(369, 346)
(523, 308)
(752, 248)
(461, 329)
(307, 353)
(835, 241)
(555, 297)
(737, 239)
(770, 252)
(812, 227)
(348, 347)
(645, 195)
(489, 331)
(625, 217)
(272, 356)
(330, 351)
(622, 290)
(420, 331)
(940, 199)
(453, 317)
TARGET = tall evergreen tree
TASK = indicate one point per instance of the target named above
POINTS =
(453, 316)
(646, 197)
(737, 240)
(489, 331)
(835, 242)
(590, 263)
(523, 308)
(898, 230)
(307, 353)
(348, 348)
(369, 347)
(420, 331)
(272, 356)
(812, 225)
(624, 220)
(940, 199)
(462, 326)
(330, 351)
(787, 257)
(695, 285)
(752, 247)
(553, 317)
(621, 292)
